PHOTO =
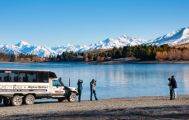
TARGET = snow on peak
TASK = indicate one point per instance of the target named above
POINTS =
(108, 40)
(104, 44)
(41, 51)
(177, 37)
(174, 38)
(26, 48)
(186, 32)
(22, 43)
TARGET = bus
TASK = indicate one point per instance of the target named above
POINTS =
(22, 86)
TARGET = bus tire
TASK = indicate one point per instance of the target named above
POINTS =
(29, 99)
(16, 100)
(72, 97)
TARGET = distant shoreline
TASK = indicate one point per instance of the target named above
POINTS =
(134, 62)
(145, 62)
(115, 62)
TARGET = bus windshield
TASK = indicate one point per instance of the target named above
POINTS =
(57, 82)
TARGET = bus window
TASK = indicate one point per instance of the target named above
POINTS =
(1, 77)
(42, 77)
(16, 76)
(6, 77)
(32, 77)
(22, 77)
(11, 75)
(25, 76)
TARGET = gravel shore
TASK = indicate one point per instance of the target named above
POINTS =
(118, 108)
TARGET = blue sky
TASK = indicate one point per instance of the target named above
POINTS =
(59, 22)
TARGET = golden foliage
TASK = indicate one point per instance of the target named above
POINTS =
(173, 54)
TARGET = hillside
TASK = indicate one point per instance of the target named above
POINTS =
(186, 45)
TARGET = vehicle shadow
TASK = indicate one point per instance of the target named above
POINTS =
(37, 102)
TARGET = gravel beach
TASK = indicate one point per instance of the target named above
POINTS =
(158, 107)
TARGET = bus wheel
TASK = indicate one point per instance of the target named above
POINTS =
(72, 97)
(29, 99)
(17, 100)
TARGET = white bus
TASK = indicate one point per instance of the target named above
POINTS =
(20, 86)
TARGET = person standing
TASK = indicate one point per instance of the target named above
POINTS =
(80, 88)
(174, 86)
(170, 89)
(93, 89)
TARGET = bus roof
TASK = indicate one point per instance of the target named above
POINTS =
(28, 70)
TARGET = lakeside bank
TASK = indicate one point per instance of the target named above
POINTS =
(113, 61)
(153, 107)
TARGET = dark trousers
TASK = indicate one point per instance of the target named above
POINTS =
(171, 94)
(79, 95)
(93, 92)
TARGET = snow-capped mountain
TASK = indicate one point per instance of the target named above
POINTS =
(105, 44)
(174, 38)
(26, 48)
(118, 42)
(69, 47)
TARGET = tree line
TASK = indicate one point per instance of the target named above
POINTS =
(139, 52)
(20, 58)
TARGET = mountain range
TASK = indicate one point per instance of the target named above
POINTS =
(178, 37)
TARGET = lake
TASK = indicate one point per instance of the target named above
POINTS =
(118, 80)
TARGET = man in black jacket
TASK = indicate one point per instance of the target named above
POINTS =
(173, 85)
(79, 87)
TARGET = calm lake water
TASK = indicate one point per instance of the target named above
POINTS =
(120, 80)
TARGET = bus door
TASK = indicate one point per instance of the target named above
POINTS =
(57, 88)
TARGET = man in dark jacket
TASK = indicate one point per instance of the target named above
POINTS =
(173, 84)
(170, 88)
(93, 89)
(79, 87)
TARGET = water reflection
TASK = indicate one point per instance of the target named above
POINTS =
(186, 80)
